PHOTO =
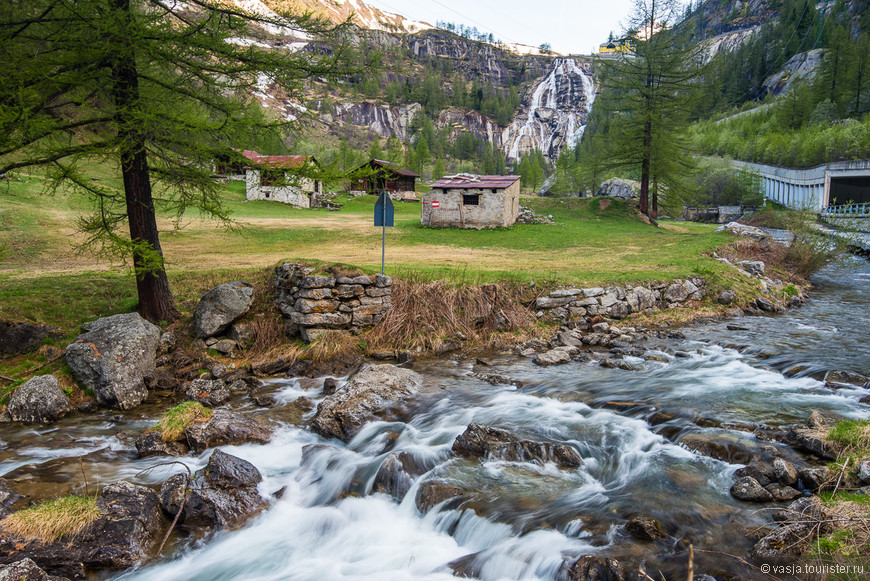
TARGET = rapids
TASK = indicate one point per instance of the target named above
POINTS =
(516, 520)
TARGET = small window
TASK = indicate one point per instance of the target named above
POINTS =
(494, 191)
(470, 199)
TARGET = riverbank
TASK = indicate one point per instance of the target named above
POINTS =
(663, 440)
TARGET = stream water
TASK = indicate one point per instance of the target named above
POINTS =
(517, 520)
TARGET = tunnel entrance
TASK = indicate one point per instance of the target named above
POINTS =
(846, 190)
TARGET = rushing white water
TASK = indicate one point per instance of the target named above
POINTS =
(514, 520)
(556, 116)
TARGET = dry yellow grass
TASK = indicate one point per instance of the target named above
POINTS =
(331, 345)
(53, 520)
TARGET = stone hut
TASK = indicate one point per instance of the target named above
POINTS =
(283, 178)
(472, 201)
(382, 176)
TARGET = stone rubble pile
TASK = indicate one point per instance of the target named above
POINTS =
(619, 302)
(314, 304)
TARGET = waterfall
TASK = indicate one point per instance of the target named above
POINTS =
(556, 114)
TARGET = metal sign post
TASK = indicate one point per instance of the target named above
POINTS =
(383, 218)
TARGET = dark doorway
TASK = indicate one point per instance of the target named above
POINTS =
(854, 190)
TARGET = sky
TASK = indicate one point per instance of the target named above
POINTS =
(569, 26)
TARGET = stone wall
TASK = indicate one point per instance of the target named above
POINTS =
(314, 303)
(618, 302)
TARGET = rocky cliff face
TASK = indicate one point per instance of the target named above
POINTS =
(381, 119)
(554, 111)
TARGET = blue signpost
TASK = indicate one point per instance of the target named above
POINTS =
(383, 218)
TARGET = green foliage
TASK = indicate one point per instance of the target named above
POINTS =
(160, 91)
(648, 93)
(722, 185)
(171, 425)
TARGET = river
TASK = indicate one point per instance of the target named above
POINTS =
(516, 520)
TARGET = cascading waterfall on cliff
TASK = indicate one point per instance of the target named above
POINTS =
(557, 112)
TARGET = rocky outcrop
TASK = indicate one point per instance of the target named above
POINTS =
(739, 229)
(113, 357)
(487, 442)
(314, 303)
(383, 120)
(802, 66)
(366, 396)
(222, 495)
(220, 306)
(39, 400)
(127, 532)
(619, 188)
(23, 337)
(225, 428)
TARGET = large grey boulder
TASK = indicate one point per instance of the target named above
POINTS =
(365, 397)
(222, 495)
(225, 428)
(39, 400)
(113, 357)
(619, 188)
(220, 307)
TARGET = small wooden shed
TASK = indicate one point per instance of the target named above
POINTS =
(383, 176)
(472, 201)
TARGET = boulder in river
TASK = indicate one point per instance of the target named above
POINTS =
(220, 307)
(645, 528)
(487, 442)
(839, 379)
(748, 489)
(152, 444)
(127, 532)
(222, 495)
(208, 392)
(366, 396)
(113, 357)
(433, 492)
(39, 400)
(590, 568)
(393, 476)
(225, 428)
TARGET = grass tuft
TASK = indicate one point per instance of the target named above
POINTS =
(424, 314)
(331, 345)
(53, 520)
(171, 425)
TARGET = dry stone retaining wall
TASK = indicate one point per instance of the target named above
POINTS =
(313, 303)
(618, 302)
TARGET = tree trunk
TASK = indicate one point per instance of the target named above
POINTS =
(645, 168)
(155, 299)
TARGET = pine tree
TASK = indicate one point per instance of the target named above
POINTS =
(375, 151)
(650, 92)
(161, 89)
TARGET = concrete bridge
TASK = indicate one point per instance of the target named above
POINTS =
(831, 189)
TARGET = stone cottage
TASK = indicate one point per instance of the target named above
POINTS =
(282, 178)
(472, 201)
(379, 176)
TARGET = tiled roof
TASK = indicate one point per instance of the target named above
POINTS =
(393, 167)
(465, 180)
(280, 161)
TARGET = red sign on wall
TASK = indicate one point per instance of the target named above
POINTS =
(435, 204)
